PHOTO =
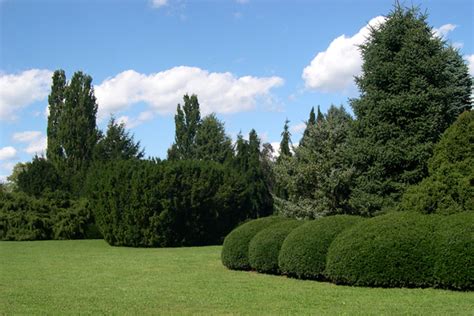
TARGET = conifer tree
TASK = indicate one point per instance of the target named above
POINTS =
(117, 144)
(212, 143)
(187, 122)
(285, 141)
(309, 124)
(413, 86)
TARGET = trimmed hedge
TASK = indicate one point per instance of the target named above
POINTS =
(393, 250)
(303, 253)
(454, 267)
(265, 247)
(235, 251)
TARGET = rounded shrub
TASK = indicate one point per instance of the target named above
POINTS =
(264, 248)
(235, 250)
(454, 264)
(393, 250)
(303, 253)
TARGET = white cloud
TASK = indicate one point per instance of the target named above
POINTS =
(7, 153)
(134, 122)
(36, 142)
(334, 69)
(276, 149)
(26, 136)
(443, 30)
(470, 63)
(159, 3)
(20, 90)
(298, 128)
(162, 91)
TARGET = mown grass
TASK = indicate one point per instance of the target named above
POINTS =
(90, 277)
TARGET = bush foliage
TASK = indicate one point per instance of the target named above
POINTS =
(54, 216)
(393, 250)
(449, 187)
(264, 248)
(454, 265)
(235, 251)
(303, 253)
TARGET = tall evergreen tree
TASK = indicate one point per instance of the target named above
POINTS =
(285, 141)
(413, 86)
(56, 100)
(320, 116)
(77, 131)
(309, 124)
(117, 144)
(187, 122)
(211, 141)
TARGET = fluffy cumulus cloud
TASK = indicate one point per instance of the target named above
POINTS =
(470, 63)
(35, 142)
(19, 90)
(162, 91)
(443, 30)
(334, 69)
(8, 153)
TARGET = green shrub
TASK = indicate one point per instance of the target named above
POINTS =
(393, 250)
(303, 254)
(264, 248)
(235, 251)
(449, 187)
(454, 264)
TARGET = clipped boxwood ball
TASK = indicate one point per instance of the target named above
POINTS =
(265, 247)
(235, 250)
(393, 250)
(303, 253)
(454, 266)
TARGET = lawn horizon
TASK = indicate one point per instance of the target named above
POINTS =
(91, 277)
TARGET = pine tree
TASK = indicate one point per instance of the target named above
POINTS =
(211, 141)
(56, 100)
(187, 122)
(285, 141)
(413, 86)
(117, 144)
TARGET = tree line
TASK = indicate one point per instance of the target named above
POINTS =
(413, 86)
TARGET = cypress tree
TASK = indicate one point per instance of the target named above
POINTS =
(309, 124)
(211, 141)
(413, 86)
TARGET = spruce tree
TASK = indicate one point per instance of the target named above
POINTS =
(56, 100)
(413, 86)
(117, 144)
(212, 143)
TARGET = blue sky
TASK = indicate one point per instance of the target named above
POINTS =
(253, 62)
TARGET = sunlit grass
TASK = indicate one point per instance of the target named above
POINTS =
(58, 277)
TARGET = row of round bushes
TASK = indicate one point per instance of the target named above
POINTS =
(402, 249)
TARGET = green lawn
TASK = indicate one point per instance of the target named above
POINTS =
(90, 277)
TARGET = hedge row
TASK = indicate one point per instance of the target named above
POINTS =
(403, 249)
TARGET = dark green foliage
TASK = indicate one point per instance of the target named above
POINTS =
(117, 144)
(56, 100)
(285, 141)
(171, 203)
(393, 250)
(413, 86)
(54, 216)
(38, 176)
(264, 248)
(450, 185)
(454, 264)
(303, 253)
(212, 143)
(235, 251)
(187, 122)
(309, 124)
